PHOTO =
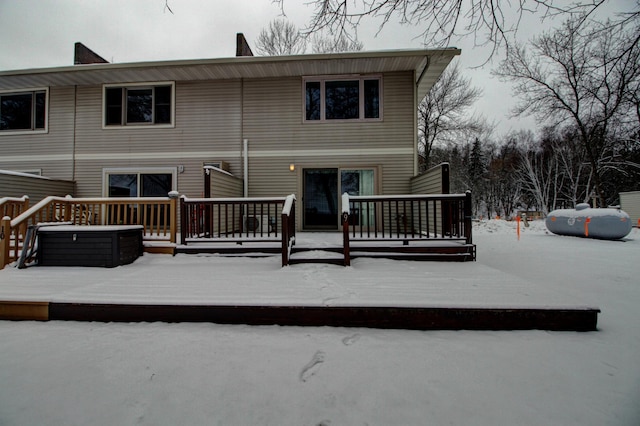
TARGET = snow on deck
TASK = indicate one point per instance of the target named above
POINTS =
(218, 279)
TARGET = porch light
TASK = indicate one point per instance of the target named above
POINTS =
(292, 167)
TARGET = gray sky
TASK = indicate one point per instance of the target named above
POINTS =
(42, 33)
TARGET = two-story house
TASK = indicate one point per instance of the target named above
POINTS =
(314, 125)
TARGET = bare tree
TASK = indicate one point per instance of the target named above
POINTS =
(442, 114)
(581, 76)
(538, 172)
(490, 22)
(280, 38)
(340, 43)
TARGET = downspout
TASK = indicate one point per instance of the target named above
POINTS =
(416, 103)
(73, 143)
(245, 144)
(245, 154)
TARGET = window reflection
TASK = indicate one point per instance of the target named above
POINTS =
(139, 106)
(342, 99)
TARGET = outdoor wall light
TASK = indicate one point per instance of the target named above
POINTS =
(292, 167)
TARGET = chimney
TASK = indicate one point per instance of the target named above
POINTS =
(242, 47)
(83, 55)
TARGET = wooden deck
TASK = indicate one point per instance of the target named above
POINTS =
(384, 317)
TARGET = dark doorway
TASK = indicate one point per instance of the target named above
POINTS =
(320, 199)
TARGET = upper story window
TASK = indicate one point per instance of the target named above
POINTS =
(129, 105)
(345, 98)
(23, 111)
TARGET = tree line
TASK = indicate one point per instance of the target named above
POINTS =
(525, 171)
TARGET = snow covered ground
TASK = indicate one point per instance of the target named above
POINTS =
(207, 374)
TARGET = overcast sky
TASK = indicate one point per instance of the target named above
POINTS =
(42, 33)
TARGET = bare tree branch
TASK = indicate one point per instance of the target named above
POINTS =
(442, 114)
(490, 22)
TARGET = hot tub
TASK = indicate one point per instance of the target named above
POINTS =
(103, 246)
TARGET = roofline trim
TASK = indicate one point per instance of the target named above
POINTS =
(452, 51)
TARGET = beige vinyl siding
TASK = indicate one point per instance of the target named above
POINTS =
(432, 181)
(224, 185)
(51, 152)
(630, 203)
(211, 123)
(35, 187)
(273, 124)
(207, 128)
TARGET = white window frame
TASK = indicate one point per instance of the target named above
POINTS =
(144, 85)
(139, 171)
(46, 111)
(323, 79)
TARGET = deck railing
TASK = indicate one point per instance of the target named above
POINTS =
(13, 207)
(239, 220)
(405, 218)
(158, 216)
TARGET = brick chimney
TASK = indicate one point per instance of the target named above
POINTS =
(242, 47)
(83, 55)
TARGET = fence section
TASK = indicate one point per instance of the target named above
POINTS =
(239, 220)
(409, 217)
(440, 218)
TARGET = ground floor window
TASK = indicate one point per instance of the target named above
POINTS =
(139, 184)
(322, 190)
(152, 182)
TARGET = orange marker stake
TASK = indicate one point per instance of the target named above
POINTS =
(518, 227)
(586, 227)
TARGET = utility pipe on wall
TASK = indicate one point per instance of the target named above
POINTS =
(245, 154)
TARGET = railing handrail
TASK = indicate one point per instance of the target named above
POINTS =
(88, 200)
(4, 200)
(403, 197)
(34, 209)
(234, 200)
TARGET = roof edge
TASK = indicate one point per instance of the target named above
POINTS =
(449, 51)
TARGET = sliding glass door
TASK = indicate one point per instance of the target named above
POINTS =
(322, 190)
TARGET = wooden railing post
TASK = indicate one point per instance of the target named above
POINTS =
(285, 239)
(345, 239)
(5, 239)
(173, 215)
(292, 224)
(288, 233)
(467, 217)
(346, 211)
(183, 221)
(67, 209)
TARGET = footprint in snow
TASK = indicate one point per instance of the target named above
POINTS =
(350, 340)
(312, 366)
